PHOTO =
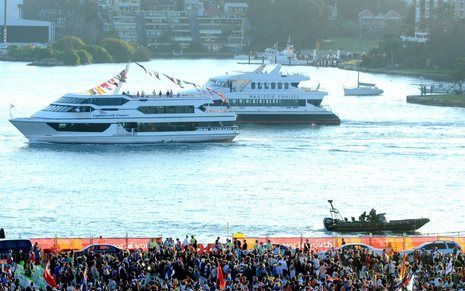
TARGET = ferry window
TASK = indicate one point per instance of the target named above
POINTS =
(301, 102)
(314, 102)
(166, 109)
(85, 109)
(273, 85)
(107, 101)
(286, 85)
(295, 84)
(259, 85)
(266, 85)
(72, 100)
(80, 127)
(280, 85)
(252, 85)
(170, 109)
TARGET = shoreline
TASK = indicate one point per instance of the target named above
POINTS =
(433, 74)
(438, 100)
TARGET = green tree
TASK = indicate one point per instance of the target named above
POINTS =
(273, 21)
(140, 54)
(446, 44)
(119, 50)
(70, 57)
(28, 53)
(85, 20)
(84, 57)
(458, 73)
(99, 54)
(69, 42)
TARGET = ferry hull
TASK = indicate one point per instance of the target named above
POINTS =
(40, 132)
(283, 118)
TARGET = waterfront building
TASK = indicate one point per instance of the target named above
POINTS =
(424, 12)
(124, 18)
(20, 30)
(166, 25)
(373, 24)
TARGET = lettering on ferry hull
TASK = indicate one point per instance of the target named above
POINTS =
(104, 114)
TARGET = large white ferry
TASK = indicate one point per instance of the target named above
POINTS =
(127, 119)
(266, 95)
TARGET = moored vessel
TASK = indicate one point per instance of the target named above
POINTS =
(267, 95)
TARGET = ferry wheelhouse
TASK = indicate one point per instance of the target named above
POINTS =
(270, 96)
(126, 119)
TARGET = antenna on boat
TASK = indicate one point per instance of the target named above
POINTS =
(331, 203)
(11, 107)
(334, 212)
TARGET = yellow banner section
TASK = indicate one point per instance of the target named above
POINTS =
(390, 244)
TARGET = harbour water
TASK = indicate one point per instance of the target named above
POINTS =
(403, 159)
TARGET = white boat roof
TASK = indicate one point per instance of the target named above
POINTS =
(263, 73)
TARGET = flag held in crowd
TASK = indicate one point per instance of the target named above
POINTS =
(49, 278)
(449, 267)
(219, 276)
(403, 267)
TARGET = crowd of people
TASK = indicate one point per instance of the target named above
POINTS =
(234, 265)
(169, 93)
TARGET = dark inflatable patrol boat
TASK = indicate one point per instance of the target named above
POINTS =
(372, 223)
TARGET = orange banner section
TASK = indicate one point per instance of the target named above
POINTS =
(61, 244)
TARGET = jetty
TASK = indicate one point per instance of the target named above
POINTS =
(449, 100)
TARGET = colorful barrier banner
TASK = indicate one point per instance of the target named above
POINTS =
(390, 244)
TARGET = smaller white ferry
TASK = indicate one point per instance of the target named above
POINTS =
(126, 119)
(269, 96)
(287, 56)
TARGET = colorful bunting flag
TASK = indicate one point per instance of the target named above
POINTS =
(222, 97)
(179, 83)
(142, 67)
(108, 85)
(105, 85)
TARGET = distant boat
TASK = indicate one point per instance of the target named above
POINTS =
(372, 223)
(363, 89)
(287, 56)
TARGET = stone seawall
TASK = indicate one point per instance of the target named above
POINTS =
(438, 100)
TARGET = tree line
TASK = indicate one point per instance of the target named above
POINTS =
(71, 50)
